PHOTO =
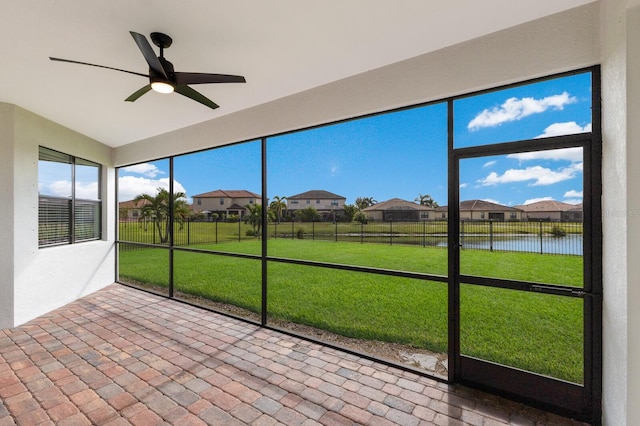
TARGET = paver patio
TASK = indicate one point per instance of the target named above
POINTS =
(121, 356)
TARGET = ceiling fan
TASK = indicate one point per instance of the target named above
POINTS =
(162, 77)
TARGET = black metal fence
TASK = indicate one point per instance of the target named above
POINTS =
(534, 237)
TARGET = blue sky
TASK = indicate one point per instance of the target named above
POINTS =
(403, 154)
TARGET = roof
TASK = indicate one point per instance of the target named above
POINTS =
(316, 194)
(398, 205)
(547, 206)
(133, 204)
(479, 205)
(228, 193)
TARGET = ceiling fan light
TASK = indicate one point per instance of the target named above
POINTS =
(162, 87)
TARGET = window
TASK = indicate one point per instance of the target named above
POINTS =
(69, 203)
(199, 202)
(221, 201)
(317, 201)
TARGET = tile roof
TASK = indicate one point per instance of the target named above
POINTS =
(548, 206)
(133, 204)
(397, 204)
(316, 194)
(228, 193)
(479, 205)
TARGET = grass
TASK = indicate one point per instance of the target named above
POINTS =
(540, 333)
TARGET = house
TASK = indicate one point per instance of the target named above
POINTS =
(551, 210)
(327, 204)
(397, 210)
(131, 210)
(482, 210)
(386, 61)
(225, 203)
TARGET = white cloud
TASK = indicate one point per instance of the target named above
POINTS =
(568, 128)
(565, 154)
(535, 200)
(87, 191)
(538, 174)
(59, 188)
(464, 185)
(144, 169)
(573, 194)
(129, 187)
(573, 201)
(491, 200)
(489, 163)
(514, 109)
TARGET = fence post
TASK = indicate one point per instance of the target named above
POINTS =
(462, 234)
(292, 222)
(490, 234)
(391, 232)
(540, 233)
(239, 228)
(216, 230)
(188, 231)
(313, 230)
(336, 222)
(361, 232)
(275, 232)
(424, 233)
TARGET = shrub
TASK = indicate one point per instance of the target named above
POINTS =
(558, 232)
(300, 233)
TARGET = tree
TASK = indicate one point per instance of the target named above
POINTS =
(426, 200)
(254, 218)
(278, 205)
(364, 202)
(156, 209)
(308, 215)
(349, 212)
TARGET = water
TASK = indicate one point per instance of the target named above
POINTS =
(569, 244)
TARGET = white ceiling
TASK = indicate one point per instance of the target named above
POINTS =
(281, 46)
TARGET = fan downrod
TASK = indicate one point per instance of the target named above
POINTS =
(161, 40)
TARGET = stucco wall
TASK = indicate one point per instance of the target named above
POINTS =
(47, 278)
(6, 213)
(632, 194)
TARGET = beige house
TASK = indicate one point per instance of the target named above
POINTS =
(326, 203)
(482, 210)
(225, 202)
(131, 210)
(397, 209)
(551, 210)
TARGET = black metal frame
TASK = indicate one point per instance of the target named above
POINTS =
(582, 402)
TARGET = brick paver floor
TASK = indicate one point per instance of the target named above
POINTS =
(121, 356)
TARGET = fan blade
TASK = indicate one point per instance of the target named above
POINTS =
(149, 54)
(196, 96)
(99, 66)
(138, 93)
(202, 78)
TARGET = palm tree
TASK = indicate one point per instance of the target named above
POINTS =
(364, 202)
(254, 217)
(278, 205)
(157, 209)
(426, 200)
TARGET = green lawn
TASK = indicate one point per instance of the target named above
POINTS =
(536, 332)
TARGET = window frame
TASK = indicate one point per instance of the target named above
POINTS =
(73, 201)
